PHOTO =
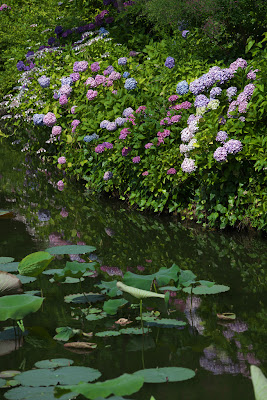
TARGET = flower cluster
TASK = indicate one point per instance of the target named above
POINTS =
(122, 61)
(170, 62)
(182, 88)
(49, 119)
(102, 146)
(44, 81)
(62, 160)
(124, 133)
(89, 138)
(38, 119)
(130, 84)
(4, 7)
(107, 175)
(136, 159)
(80, 66)
(94, 67)
(91, 94)
(214, 75)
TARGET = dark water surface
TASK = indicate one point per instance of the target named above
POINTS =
(220, 352)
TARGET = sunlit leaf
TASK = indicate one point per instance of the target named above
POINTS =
(259, 383)
(17, 306)
(35, 263)
(65, 333)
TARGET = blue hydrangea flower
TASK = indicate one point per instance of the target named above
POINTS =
(38, 119)
(89, 138)
(120, 121)
(66, 81)
(20, 66)
(201, 101)
(44, 81)
(103, 32)
(182, 88)
(126, 74)
(216, 91)
(44, 215)
(130, 84)
(170, 62)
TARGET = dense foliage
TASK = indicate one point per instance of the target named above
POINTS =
(164, 123)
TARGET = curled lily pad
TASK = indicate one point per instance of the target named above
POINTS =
(138, 293)
(17, 306)
(54, 363)
(163, 375)
(9, 284)
(35, 263)
(63, 376)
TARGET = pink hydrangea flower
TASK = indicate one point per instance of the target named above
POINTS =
(171, 171)
(90, 81)
(72, 110)
(61, 160)
(60, 185)
(145, 173)
(49, 119)
(64, 213)
(63, 100)
(123, 133)
(75, 122)
(65, 89)
(114, 76)
(175, 118)
(148, 145)
(95, 67)
(140, 109)
(91, 94)
(114, 91)
(173, 98)
(75, 76)
(56, 130)
(136, 160)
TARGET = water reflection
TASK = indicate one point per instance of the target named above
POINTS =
(128, 240)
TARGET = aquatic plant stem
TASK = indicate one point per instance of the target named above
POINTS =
(141, 315)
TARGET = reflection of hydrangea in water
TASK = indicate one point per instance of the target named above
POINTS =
(188, 165)
(182, 88)
(38, 119)
(220, 154)
(107, 175)
(233, 146)
(130, 84)
(44, 81)
(89, 138)
(170, 62)
(44, 215)
(221, 136)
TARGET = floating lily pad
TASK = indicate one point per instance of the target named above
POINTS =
(60, 376)
(9, 284)
(164, 322)
(215, 289)
(2, 382)
(11, 383)
(54, 363)
(111, 306)
(35, 393)
(167, 374)
(26, 279)
(123, 385)
(52, 271)
(8, 374)
(5, 260)
(95, 317)
(17, 306)
(134, 331)
(9, 267)
(83, 298)
(171, 288)
(68, 279)
(108, 333)
(71, 249)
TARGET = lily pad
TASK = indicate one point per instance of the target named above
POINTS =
(166, 374)
(54, 363)
(68, 279)
(215, 289)
(109, 288)
(26, 279)
(163, 322)
(108, 333)
(95, 317)
(2, 382)
(163, 277)
(35, 263)
(60, 376)
(17, 306)
(186, 278)
(35, 393)
(8, 374)
(9, 284)
(83, 298)
(171, 288)
(123, 385)
(9, 267)
(111, 306)
(5, 260)
(134, 331)
(71, 249)
(52, 271)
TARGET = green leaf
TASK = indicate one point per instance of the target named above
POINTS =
(83, 298)
(35, 263)
(109, 288)
(163, 277)
(54, 363)
(108, 333)
(259, 383)
(71, 249)
(138, 293)
(17, 306)
(134, 331)
(65, 333)
(215, 289)
(123, 385)
(167, 374)
(60, 376)
(186, 277)
(111, 306)
(34, 393)
(165, 322)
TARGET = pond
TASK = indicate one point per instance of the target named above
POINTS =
(219, 351)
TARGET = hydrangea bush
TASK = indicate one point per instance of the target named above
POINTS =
(160, 141)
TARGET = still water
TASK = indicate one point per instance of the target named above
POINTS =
(220, 352)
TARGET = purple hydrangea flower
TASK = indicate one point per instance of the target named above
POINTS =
(72, 110)
(186, 135)
(233, 146)
(58, 30)
(100, 148)
(231, 91)
(62, 160)
(65, 89)
(182, 88)
(188, 165)
(171, 171)
(173, 98)
(221, 136)
(122, 61)
(56, 130)
(63, 100)
(148, 145)
(108, 70)
(111, 126)
(108, 145)
(95, 67)
(136, 160)
(75, 123)
(130, 84)
(220, 154)
(20, 66)
(123, 133)
(75, 76)
(126, 74)
(66, 81)
(104, 123)
(170, 62)
(145, 173)
(56, 95)
(239, 63)
(91, 94)
(201, 101)
(216, 91)
(184, 33)
(44, 81)
(107, 175)
(89, 138)
(127, 112)
(120, 121)
(125, 151)
(51, 41)
(80, 66)
(38, 119)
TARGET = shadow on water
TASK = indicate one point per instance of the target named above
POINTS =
(219, 351)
